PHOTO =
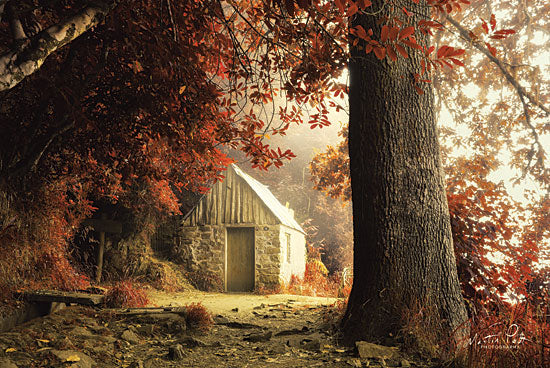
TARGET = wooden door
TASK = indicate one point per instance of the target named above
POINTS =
(240, 259)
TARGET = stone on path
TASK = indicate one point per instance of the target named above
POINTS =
(76, 358)
(191, 342)
(7, 363)
(176, 352)
(130, 336)
(368, 350)
(259, 337)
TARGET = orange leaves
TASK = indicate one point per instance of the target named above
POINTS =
(447, 51)
(380, 52)
(384, 33)
(406, 32)
(136, 67)
(489, 29)
(349, 8)
(447, 6)
(401, 50)
(340, 4)
(391, 43)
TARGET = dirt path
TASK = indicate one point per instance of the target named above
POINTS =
(225, 303)
(266, 331)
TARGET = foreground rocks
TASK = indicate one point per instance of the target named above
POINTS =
(273, 336)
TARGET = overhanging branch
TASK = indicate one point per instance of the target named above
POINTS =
(520, 90)
(523, 95)
(18, 64)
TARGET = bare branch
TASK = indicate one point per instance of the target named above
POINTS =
(520, 90)
(522, 93)
(16, 28)
(30, 163)
(174, 26)
(18, 64)
(2, 5)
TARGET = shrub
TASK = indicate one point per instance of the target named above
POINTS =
(124, 294)
(205, 280)
(198, 317)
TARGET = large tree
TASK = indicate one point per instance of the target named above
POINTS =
(403, 254)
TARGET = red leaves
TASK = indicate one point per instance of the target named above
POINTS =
(447, 51)
(447, 6)
(406, 32)
(340, 5)
(484, 26)
(391, 52)
(350, 8)
(380, 52)
(493, 22)
(427, 26)
(401, 50)
(384, 33)
(492, 33)
(392, 41)
(491, 49)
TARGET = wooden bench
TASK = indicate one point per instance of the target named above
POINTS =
(67, 297)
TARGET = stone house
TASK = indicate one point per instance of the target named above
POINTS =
(241, 233)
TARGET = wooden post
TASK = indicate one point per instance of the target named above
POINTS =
(102, 226)
(100, 251)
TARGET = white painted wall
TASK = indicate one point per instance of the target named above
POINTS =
(297, 264)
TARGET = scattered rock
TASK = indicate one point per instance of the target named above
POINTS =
(277, 349)
(404, 363)
(76, 358)
(107, 339)
(136, 364)
(311, 345)
(6, 363)
(354, 362)
(220, 320)
(367, 350)
(81, 332)
(259, 337)
(235, 310)
(191, 342)
(130, 336)
(176, 352)
(146, 329)
(293, 331)
(241, 325)
(261, 306)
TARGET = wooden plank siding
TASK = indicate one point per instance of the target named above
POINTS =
(231, 202)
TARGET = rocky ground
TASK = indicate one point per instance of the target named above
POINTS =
(279, 332)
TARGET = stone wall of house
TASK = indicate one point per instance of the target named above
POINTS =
(201, 248)
(268, 256)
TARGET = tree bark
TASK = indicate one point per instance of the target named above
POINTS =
(403, 251)
(24, 60)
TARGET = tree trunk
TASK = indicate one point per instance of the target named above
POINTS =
(403, 251)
